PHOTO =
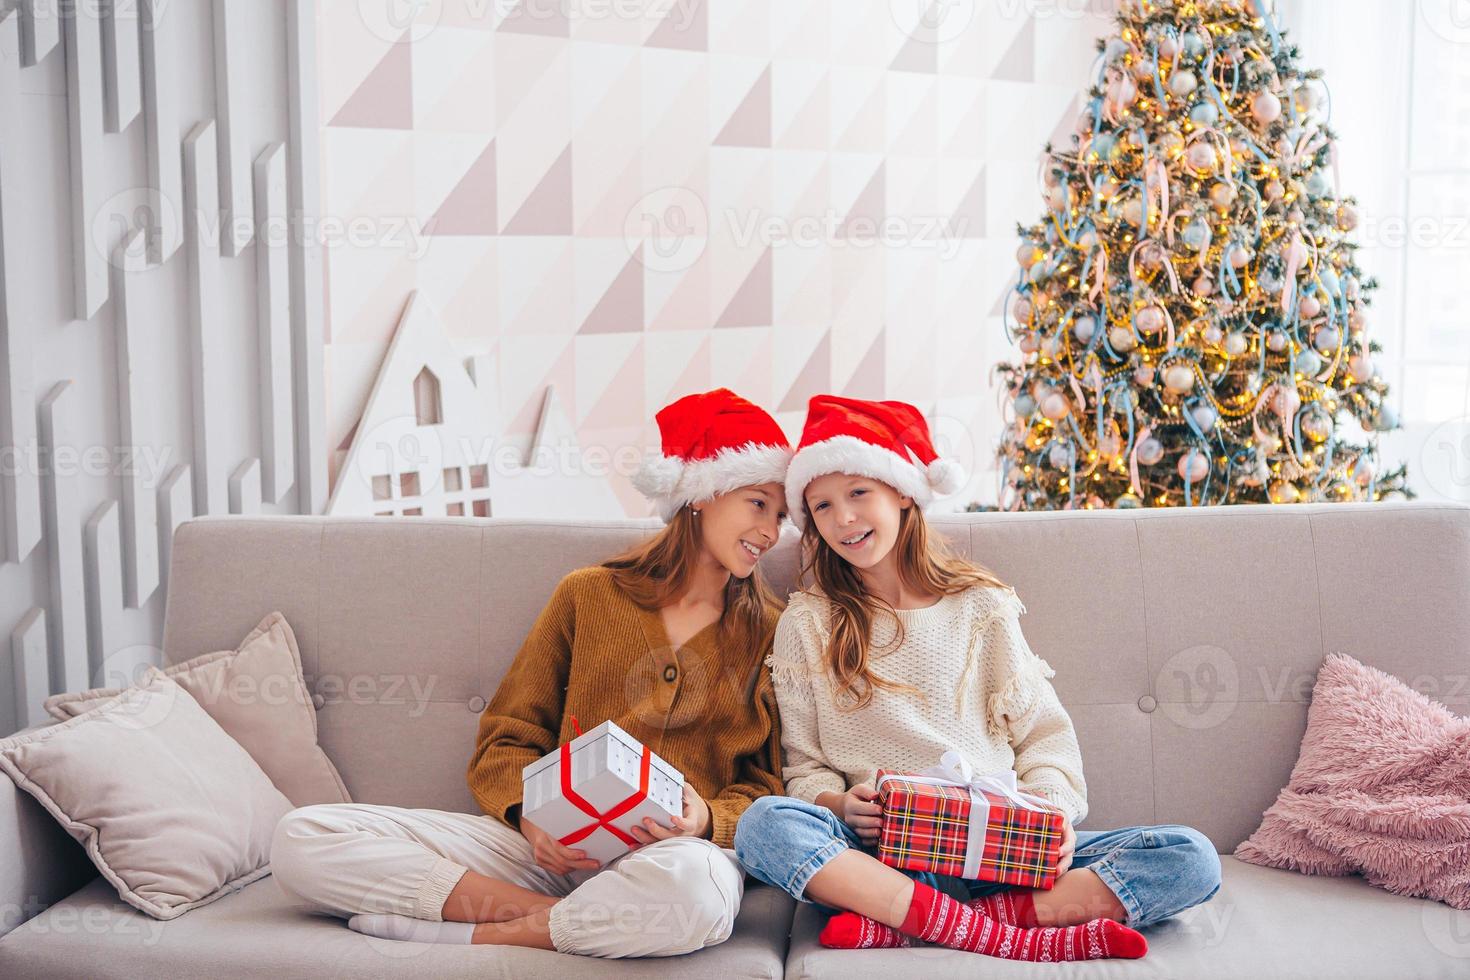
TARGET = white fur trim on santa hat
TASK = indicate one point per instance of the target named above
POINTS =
(658, 475)
(946, 476)
(851, 455)
(671, 482)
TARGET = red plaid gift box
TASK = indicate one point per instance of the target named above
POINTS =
(927, 825)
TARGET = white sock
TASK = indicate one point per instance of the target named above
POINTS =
(403, 927)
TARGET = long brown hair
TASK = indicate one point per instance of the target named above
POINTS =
(926, 564)
(655, 572)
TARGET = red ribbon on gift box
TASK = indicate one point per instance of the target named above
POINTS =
(600, 819)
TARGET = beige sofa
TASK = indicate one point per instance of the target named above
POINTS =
(1185, 644)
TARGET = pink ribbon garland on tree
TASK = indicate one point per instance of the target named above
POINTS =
(1307, 147)
(1227, 156)
(1160, 171)
(1100, 272)
(1336, 357)
(1168, 264)
(1133, 483)
(1296, 257)
(1282, 411)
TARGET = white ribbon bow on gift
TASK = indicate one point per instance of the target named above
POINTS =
(955, 770)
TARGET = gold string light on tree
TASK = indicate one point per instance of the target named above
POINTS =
(1190, 313)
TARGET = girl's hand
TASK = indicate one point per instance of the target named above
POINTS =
(861, 812)
(552, 854)
(1069, 845)
(694, 823)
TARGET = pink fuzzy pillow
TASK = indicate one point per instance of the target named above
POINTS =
(1381, 788)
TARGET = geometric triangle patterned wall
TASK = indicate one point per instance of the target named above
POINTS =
(784, 198)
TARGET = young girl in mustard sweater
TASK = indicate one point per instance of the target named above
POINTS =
(667, 640)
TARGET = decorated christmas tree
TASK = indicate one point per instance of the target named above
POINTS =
(1192, 319)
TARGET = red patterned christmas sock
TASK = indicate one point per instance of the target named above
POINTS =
(935, 917)
(1012, 907)
(848, 930)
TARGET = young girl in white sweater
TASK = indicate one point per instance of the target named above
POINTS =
(900, 652)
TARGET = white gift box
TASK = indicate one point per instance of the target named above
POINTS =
(605, 772)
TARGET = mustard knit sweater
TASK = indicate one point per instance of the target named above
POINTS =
(595, 654)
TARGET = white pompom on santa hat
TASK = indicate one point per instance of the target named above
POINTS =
(887, 440)
(713, 442)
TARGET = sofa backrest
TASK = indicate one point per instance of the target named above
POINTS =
(1185, 641)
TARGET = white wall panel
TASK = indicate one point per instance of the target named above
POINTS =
(273, 308)
(20, 488)
(175, 506)
(123, 96)
(161, 122)
(141, 363)
(201, 213)
(40, 30)
(137, 358)
(230, 92)
(66, 578)
(102, 544)
(32, 674)
(308, 285)
(86, 161)
(245, 488)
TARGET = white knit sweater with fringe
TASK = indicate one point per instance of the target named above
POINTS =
(980, 690)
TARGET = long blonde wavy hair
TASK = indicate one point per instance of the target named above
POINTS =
(926, 564)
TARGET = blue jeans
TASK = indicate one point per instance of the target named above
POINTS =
(1154, 871)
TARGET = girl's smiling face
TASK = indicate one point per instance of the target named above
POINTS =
(738, 527)
(857, 516)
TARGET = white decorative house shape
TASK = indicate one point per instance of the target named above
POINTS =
(429, 442)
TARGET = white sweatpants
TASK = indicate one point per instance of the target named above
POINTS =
(664, 899)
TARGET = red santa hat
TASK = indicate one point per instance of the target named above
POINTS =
(713, 443)
(887, 441)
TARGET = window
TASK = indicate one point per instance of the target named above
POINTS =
(1399, 74)
(426, 401)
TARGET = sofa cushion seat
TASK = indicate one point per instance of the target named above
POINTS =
(259, 932)
(1263, 922)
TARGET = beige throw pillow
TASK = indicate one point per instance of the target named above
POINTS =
(257, 694)
(171, 809)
